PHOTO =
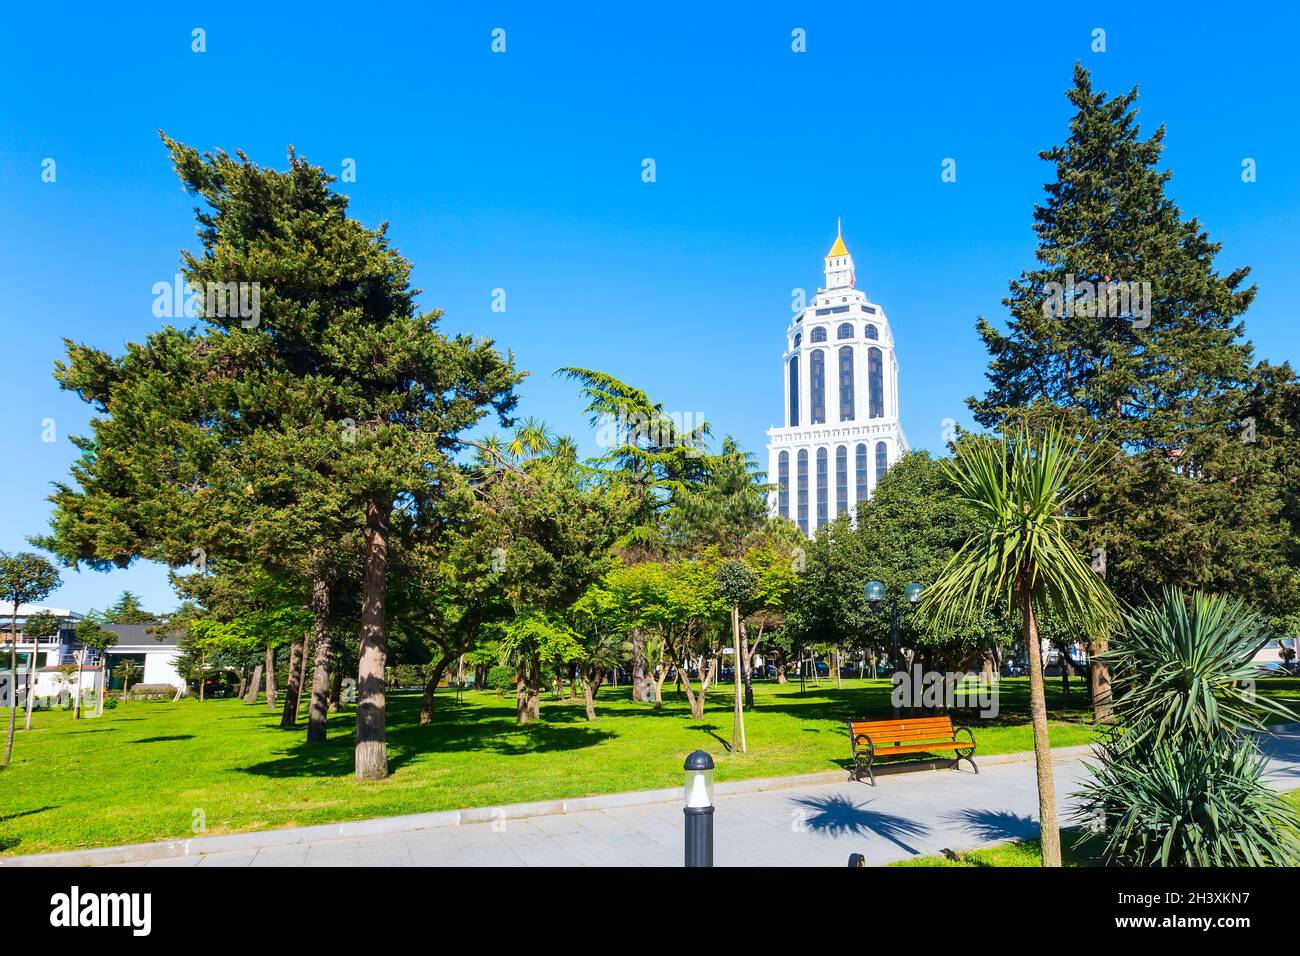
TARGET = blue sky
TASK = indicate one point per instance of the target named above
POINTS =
(522, 171)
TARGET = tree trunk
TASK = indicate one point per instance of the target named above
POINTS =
(76, 704)
(13, 686)
(271, 688)
(1049, 826)
(250, 695)
(318, 709)
(835, 658)
(638, 665)
(528, 692)
(590, 687)
(293, 690)
(240, 690)
(738, 722)
(372, 734)
(31, 679)
(426, 699)
(749, 665)
(99, 695)
(336, 690)
(1103, 707)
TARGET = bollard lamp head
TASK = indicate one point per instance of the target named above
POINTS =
(698, 791)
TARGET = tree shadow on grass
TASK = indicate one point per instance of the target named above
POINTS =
(25, 813)
(408, 740)
(159, 740)
(837, 815)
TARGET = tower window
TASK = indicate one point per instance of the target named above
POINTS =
(817, 385)
(872, 333)
(845, 331)
(841, 480)
(794, 390)
(823, 502)
(882, 461)
(798, 339)
(846, 383)
(783, 484)
(818, 334)
(801, 489)
(860, 471)
(875, 384)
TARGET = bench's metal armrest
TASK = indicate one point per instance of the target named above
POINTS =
(970, 733)
(859, 737)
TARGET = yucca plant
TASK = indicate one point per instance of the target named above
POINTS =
(1021, 556)
(1179, 780)
(1184, 668)
(1183, 802)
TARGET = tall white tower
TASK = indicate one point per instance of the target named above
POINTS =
(840, 378)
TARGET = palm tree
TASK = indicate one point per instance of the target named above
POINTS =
(1020, 555)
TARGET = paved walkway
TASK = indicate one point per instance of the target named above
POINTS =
(908, 814)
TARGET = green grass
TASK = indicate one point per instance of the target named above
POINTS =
(1074, 852)
(142, 771)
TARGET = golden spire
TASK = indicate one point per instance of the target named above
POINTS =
(839, 249)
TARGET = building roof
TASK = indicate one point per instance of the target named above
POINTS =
(839, 249)
(138, 635)
(27, 610)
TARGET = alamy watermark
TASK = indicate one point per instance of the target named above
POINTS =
(662, 430)
(934, 689)
(212, 300)
(1114, 299)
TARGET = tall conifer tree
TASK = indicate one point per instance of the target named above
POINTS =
(1127, 333)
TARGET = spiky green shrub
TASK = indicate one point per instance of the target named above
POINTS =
(1179, 780)
(1183, 667)
(1181, 803)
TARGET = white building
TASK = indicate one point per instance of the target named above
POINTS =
(840, 377)
(154, 657)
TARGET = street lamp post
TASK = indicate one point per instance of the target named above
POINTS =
(698, 793)
(874, 593)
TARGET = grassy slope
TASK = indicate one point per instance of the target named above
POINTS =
(140, 772)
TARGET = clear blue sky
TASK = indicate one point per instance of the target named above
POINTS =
(522, 171)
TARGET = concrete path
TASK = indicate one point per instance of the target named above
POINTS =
(907, 814)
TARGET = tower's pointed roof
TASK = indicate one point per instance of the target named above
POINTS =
(839, 249)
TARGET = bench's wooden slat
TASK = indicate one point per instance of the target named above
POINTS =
(922, 748)
(913, 731)
(883, 726)
(910, 735)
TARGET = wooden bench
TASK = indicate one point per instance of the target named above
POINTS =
(873, 739)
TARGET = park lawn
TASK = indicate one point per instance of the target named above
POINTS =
(151, 770)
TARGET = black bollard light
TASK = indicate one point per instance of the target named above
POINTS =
(699, 809)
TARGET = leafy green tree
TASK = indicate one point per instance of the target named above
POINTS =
(597, 619)
(827, 606)
(725, 507)
(738, 585)
(25, 578)
(94, 637)
(1021, 556)
(655, 457)
(1159, 382)
(551, 524)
